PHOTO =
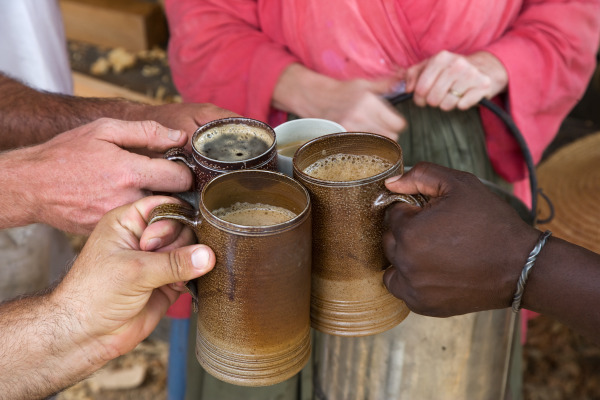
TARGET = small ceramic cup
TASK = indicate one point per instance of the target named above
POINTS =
(225, 145)
(348, 296)
(254, 306)
(293, 134)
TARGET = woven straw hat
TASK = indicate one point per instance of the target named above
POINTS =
(571, 179)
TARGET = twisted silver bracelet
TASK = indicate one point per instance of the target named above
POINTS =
(516, 304)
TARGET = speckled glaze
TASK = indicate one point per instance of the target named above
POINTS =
(254, 306)
(204, 168)
(348, 296)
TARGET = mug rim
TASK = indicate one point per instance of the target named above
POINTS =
(255, 230)
(304, 176)
(234, 120)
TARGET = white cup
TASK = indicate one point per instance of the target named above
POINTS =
(292, 134)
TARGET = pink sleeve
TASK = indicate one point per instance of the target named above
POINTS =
(218, 55)
(549, 54)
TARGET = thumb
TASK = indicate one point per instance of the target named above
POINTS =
(143, 135)
(182, 264)
(425, 178)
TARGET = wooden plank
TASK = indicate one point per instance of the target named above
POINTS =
(133, 24)
(87, 86)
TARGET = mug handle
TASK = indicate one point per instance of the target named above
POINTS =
(187, 216)
(181, 154)
(385, 199)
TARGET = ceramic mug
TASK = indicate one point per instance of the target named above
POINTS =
(348, 295)
(254, 306)
(225, 145)
(294, 133)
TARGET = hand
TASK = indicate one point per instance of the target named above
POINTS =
(115, 293)
(462, 252)
(357, 105)
(450, 81)
(186, 117)
(81, 174)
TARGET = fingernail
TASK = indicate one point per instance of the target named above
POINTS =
(174, 135)
(200, 259)
(153, 244)
(392, 179)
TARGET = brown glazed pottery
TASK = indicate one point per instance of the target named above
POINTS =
(205, 168)
(254, 306)
(348, 295)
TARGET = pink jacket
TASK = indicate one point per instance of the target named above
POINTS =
(231, 52)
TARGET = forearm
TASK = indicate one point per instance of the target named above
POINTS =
(564, 283)
(204, 71)
(298, 90)
(39, 351)
(28, 116)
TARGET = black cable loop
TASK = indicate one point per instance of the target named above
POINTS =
(516, 133)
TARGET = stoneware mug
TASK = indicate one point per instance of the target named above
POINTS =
(348, 296)
(294, 133)
(225, 145)
(254, 306)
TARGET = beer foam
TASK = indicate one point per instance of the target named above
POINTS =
(347, 167)
(233, 142)
(254, 214)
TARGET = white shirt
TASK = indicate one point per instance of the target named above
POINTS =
(33, 46)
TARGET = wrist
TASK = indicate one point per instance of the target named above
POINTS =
(82, 350)
(297, 90)
(529, 264)
(132, 111)
(40, 351)
(491, 66)
(18, 202)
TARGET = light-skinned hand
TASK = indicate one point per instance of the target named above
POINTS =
(72, 180)
(449, 81)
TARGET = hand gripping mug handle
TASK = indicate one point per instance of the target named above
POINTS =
(187, 216)
(181, 154)
(385, 199)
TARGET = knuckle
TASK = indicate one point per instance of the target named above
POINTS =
(178, 265)
(149, 127)
(132, 179)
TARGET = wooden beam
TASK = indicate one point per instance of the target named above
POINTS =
(87, 86)
(133, 24)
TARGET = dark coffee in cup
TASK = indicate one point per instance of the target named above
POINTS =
(233, 142)
(225, 145)
(347, 167)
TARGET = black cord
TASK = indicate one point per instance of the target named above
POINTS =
(516, 133)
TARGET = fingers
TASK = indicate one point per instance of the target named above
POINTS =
(166, 235)
(391, 122)
(393, 282)
(182, 264)
(382, 86)
(426, 178)
(374, 114)
(134, 217)
(158, 175)
(141, 134)
(447, 81)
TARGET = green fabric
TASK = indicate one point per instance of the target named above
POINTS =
(454, 139)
